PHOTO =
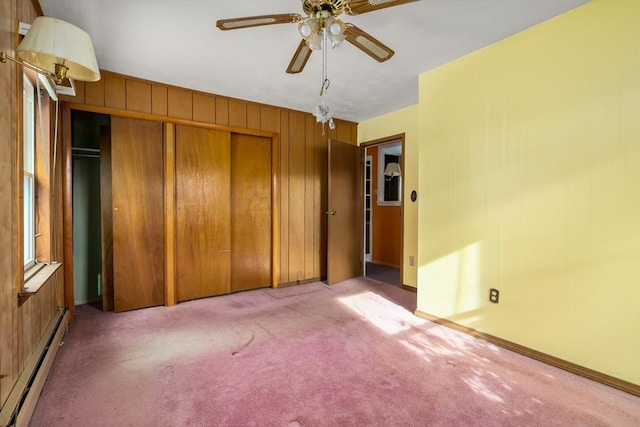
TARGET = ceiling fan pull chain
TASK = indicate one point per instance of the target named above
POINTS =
(324, 88)
(322, 112)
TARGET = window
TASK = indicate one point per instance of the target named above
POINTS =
(390, 174)
(28, 162)
(36, 156)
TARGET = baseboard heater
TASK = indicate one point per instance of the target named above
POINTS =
(20, 404)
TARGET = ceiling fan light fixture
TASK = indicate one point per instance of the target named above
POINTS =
(308, 27)
(335, 26)
(314, 41)
(304, 29)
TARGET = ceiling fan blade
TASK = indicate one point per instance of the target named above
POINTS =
(357, 7)
(300, 58)
(257, 21)
(367, 43)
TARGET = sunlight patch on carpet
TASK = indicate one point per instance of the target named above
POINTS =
(382, 313)
(479, 386)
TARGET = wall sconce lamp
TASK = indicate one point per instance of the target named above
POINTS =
(392, 169)
(57, 50)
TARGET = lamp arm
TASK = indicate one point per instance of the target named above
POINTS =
(4, 57)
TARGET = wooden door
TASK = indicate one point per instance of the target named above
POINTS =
(344, 223)
(138, 213)
(106, 207)
(203, 235)
(250, 212)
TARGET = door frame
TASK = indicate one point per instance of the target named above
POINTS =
(368, 161)
(374, 143)
(170, 122)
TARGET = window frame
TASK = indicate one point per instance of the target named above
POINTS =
(29, 168)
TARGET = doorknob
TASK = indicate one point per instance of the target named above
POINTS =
(333, 212)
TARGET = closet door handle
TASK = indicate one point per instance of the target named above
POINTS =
(333, 212)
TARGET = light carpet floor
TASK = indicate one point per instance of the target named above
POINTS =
(351, 354)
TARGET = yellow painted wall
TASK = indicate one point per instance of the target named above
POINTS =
(530, 183)
(402, 121)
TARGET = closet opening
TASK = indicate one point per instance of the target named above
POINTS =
(88, 130)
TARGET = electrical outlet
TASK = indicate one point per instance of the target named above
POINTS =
(494, 295)
(412, 261)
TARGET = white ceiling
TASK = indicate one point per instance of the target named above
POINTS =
(177, 42)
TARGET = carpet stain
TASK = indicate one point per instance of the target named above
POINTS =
(253, 337)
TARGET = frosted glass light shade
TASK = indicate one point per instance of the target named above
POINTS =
(314, 42)
(304, 29)
(336, 27)
(51, 41)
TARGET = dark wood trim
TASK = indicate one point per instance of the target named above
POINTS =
(302, 282)
(67, 211)
(166, 119)
(37, 7)
(402, 200)
(170, 214)
(605, 379)
(384, 140)
(275, 211)
(409, 288)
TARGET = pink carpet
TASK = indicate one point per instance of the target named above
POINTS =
(311, 355)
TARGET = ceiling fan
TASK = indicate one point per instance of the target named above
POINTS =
(322, 23)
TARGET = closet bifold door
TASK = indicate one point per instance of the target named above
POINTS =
(203, 213)
(250, 212)
(137, 164)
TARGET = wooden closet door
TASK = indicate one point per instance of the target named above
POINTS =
(250, 212)
(138, 213)
(202, 212)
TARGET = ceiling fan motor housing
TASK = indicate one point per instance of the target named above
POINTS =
(324, 8)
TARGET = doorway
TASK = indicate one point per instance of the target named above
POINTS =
(87, 224)
(383, 210)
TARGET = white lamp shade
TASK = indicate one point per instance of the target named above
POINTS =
(392, 169)
(51, 41)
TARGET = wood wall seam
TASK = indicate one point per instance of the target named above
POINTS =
(170, 213)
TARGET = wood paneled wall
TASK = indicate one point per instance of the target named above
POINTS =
(303, 153)
(21, 325)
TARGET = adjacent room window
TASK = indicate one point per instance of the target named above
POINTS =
(29, 179)
(390, 174)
